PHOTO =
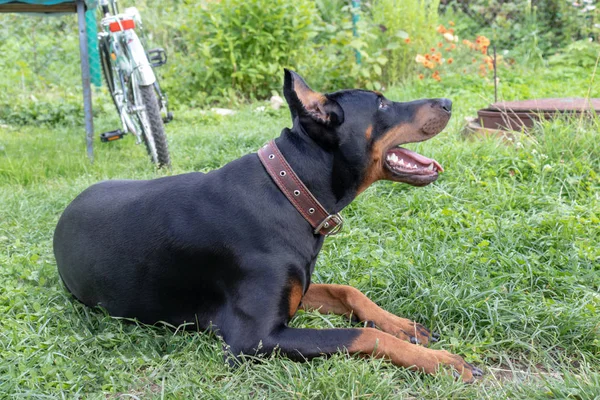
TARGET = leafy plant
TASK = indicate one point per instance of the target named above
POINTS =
(544, 24)
(405, 27)
(40, 81)
(346, 53)
(240, 47)
(582, 53)
(452, 54)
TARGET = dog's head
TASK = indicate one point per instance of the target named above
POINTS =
(365, 130)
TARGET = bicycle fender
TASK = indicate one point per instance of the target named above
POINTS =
(141, 66)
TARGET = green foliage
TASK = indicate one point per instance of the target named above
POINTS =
(582, 53)
(40, 78)
(237, 49)
(227, 52)
(46, 112)
(544, 25)
(222, 52)
(337, 51)
(241, 47)
(412, 20)
(387, 35)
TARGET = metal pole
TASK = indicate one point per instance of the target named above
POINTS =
(495, 77)
(355, 19)
(85, 80)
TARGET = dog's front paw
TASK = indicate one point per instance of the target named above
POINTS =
(459, 367)
(410, 331)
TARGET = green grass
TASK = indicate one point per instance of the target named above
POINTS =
(501, 256)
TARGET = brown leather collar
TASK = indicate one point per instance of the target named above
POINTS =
(298, 194)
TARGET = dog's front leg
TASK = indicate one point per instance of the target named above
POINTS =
(349, 301)
(305, 344)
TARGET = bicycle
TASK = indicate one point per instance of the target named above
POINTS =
(128, 70)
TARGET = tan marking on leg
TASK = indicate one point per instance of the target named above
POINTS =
(346, 300)
(403, 354)
(295, 297)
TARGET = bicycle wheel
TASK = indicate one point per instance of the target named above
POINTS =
(153, 129)
(107, 71)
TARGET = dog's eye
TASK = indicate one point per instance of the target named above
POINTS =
(382, 104)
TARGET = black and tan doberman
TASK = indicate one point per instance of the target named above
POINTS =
(234, 249)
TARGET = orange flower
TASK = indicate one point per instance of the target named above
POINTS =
(440, 44)
(437, 57)
(452, 46)
(433, 49)
(427, 56)
(441, 29)
(484, 49)
(450, 61)
(428, 64)
(421, 76)
(482, 41)
(451, 31)
(482, 70)
(436, 76)
(407, 40)
(474, 60)
(451, 23)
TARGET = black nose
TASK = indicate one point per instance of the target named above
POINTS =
(446, 104)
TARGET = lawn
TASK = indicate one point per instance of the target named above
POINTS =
(501, 256)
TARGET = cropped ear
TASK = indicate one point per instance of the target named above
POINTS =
(305, 102)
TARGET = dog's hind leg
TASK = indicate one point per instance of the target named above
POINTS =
(348, 301)
(305, 344)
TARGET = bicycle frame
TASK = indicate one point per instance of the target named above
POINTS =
(126, 40)
(130, 56)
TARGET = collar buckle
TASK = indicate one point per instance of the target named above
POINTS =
(336, 219)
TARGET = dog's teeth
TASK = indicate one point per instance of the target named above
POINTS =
(402, 161)
(394, 158)
(415, 166)
(430, 167)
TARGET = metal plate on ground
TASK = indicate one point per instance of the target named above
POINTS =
(517, 115)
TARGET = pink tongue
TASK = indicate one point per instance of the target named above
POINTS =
(419, 158)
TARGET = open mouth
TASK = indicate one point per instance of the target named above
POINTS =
(411, 166)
